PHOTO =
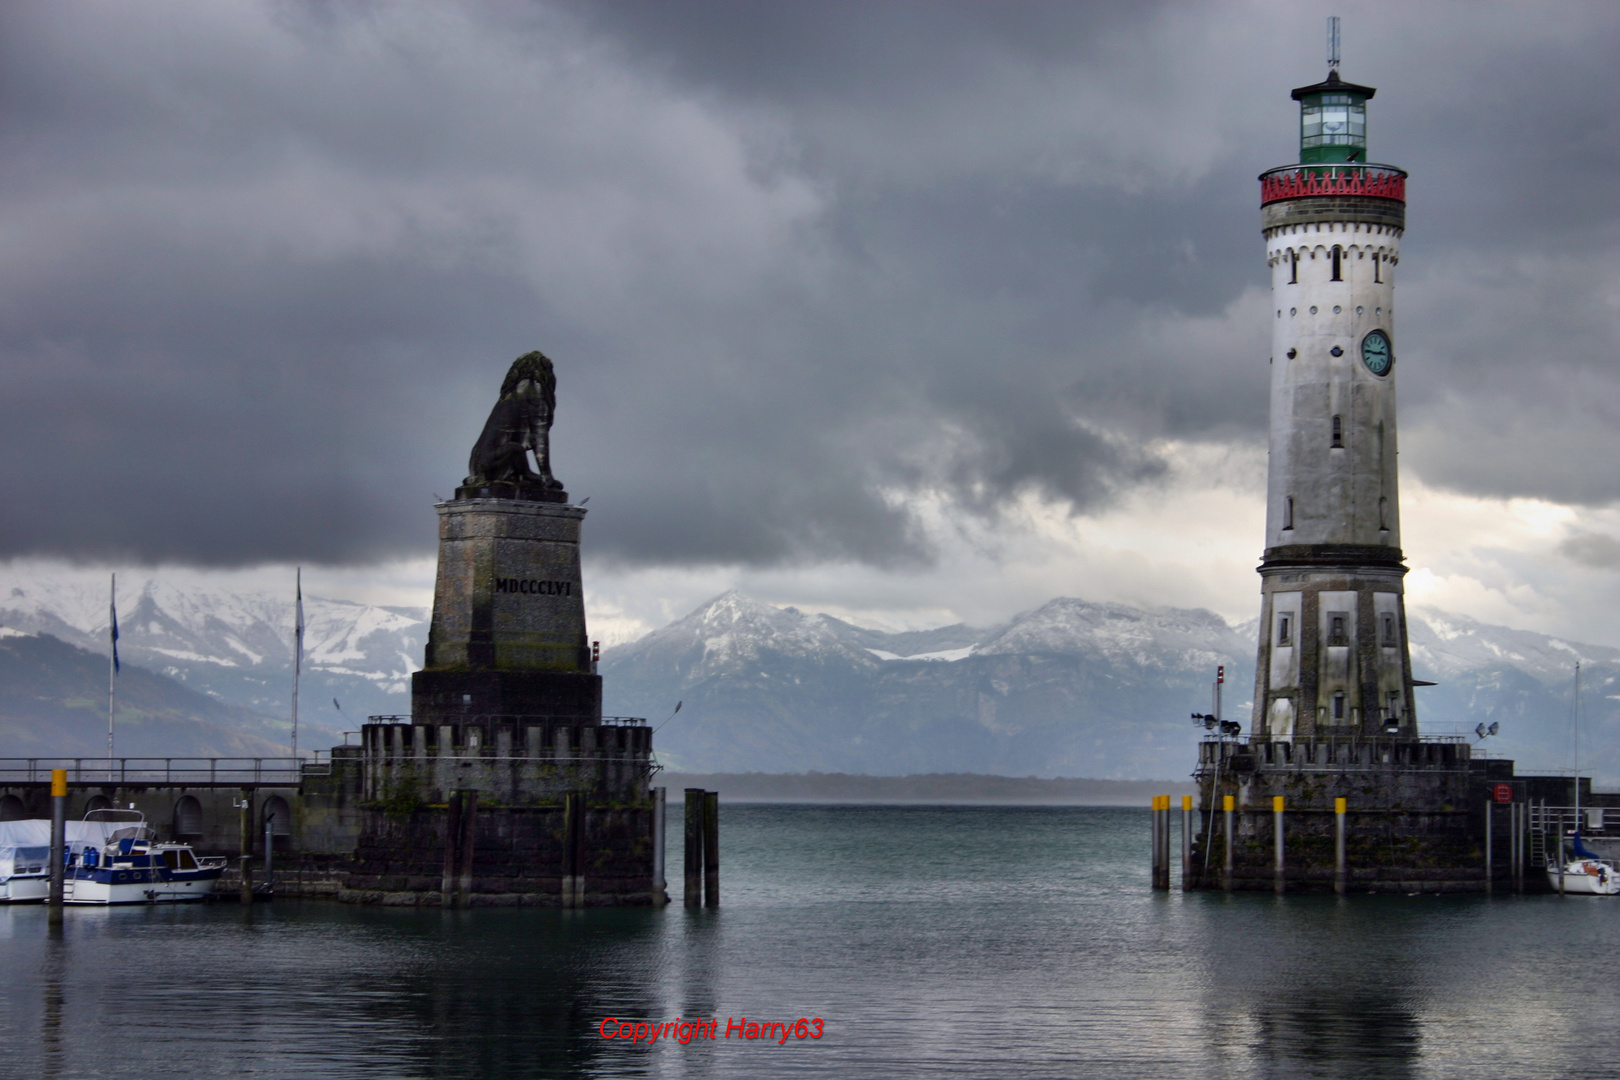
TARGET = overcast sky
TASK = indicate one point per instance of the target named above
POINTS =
(909, 312)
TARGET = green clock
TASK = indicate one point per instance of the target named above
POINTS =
(1377, 353)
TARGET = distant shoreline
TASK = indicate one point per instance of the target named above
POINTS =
(927, 789)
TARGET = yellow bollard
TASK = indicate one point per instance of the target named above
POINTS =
(1278, 871)
(1341, 866)
(1227, 804)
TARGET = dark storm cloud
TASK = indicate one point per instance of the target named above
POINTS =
(264, 265)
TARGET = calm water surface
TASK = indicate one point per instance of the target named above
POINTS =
(973, 942)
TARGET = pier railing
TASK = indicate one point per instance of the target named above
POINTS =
(187, 771)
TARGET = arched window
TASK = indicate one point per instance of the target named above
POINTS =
(188, 817)
(1293, 268)
(279, 816)
(12, 809)
(1338, 255)
(1288, 512)
(1376, 278)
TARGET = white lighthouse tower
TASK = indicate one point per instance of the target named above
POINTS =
(1333, 658)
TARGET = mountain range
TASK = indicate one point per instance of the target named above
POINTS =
(1072, 688)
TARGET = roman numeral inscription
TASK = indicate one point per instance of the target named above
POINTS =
(534, 588)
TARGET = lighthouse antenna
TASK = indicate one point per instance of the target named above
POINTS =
(1333, 43)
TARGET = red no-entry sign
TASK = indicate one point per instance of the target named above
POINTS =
(1502, 792)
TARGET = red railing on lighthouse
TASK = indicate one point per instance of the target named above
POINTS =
(1303, 181)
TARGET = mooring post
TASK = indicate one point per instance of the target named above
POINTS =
(1558, 844)
(1489, 806)
(1164, 842)
(1279, 871)
(1513, 843)
(58, 854)
(452, 860)
(246, 807)
(1341, 864)
(659, 885)
(469, 836)
(1153, 843)
(694, 847)
(246, 862)
(269, 852)
(711, 849)
(1227, 802)
(1186, 842)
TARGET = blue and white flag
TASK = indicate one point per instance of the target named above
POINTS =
(298, 625)
(112, 614)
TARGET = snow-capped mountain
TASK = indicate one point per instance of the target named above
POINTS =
(234, 646)
(1071, 689)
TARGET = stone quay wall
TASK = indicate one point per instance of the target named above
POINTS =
(517, 858)
(1414, 823)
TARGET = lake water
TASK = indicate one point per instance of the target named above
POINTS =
(940, 941)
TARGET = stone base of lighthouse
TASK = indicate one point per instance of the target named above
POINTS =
(1333, 659)
(1414, 820)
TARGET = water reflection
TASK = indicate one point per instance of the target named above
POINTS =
(51, 970)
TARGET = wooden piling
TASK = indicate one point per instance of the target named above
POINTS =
(1341, 865)
(1513, 846)
(711, 849)
(1186, 842)
(1279, 870)
(1227, 802)
(694, 847)
(659, 817)
(58, 851)
(1490, 807)
(1153, 844)
(468, 844)
(450, 877)
(269, 854)
(246, 863)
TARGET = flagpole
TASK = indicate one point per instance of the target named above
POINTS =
(112, 666)
(298, 654)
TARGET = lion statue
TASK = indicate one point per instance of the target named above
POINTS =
(519, 424)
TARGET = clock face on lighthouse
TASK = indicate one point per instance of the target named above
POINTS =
(1376, 352)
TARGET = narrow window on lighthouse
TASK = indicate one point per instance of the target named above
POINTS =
(1338, 254)
(1338, 705)
(1383, 512)
(1376, 279)
(1282, 631)
(1293, 268)
(1394, 705)
(1288, 512)
(1338, 432)
(1389, 631)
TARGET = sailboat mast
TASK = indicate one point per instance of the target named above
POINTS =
(1577, 712)
(112, 665)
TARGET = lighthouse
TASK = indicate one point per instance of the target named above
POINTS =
(1333, 659)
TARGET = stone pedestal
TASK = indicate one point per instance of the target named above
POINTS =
(508, 632)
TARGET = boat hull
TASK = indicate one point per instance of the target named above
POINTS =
(1586, 878)
(121, 885)
(24, 890)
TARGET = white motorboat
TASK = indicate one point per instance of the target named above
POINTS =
(133, 868)
(25, 848)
